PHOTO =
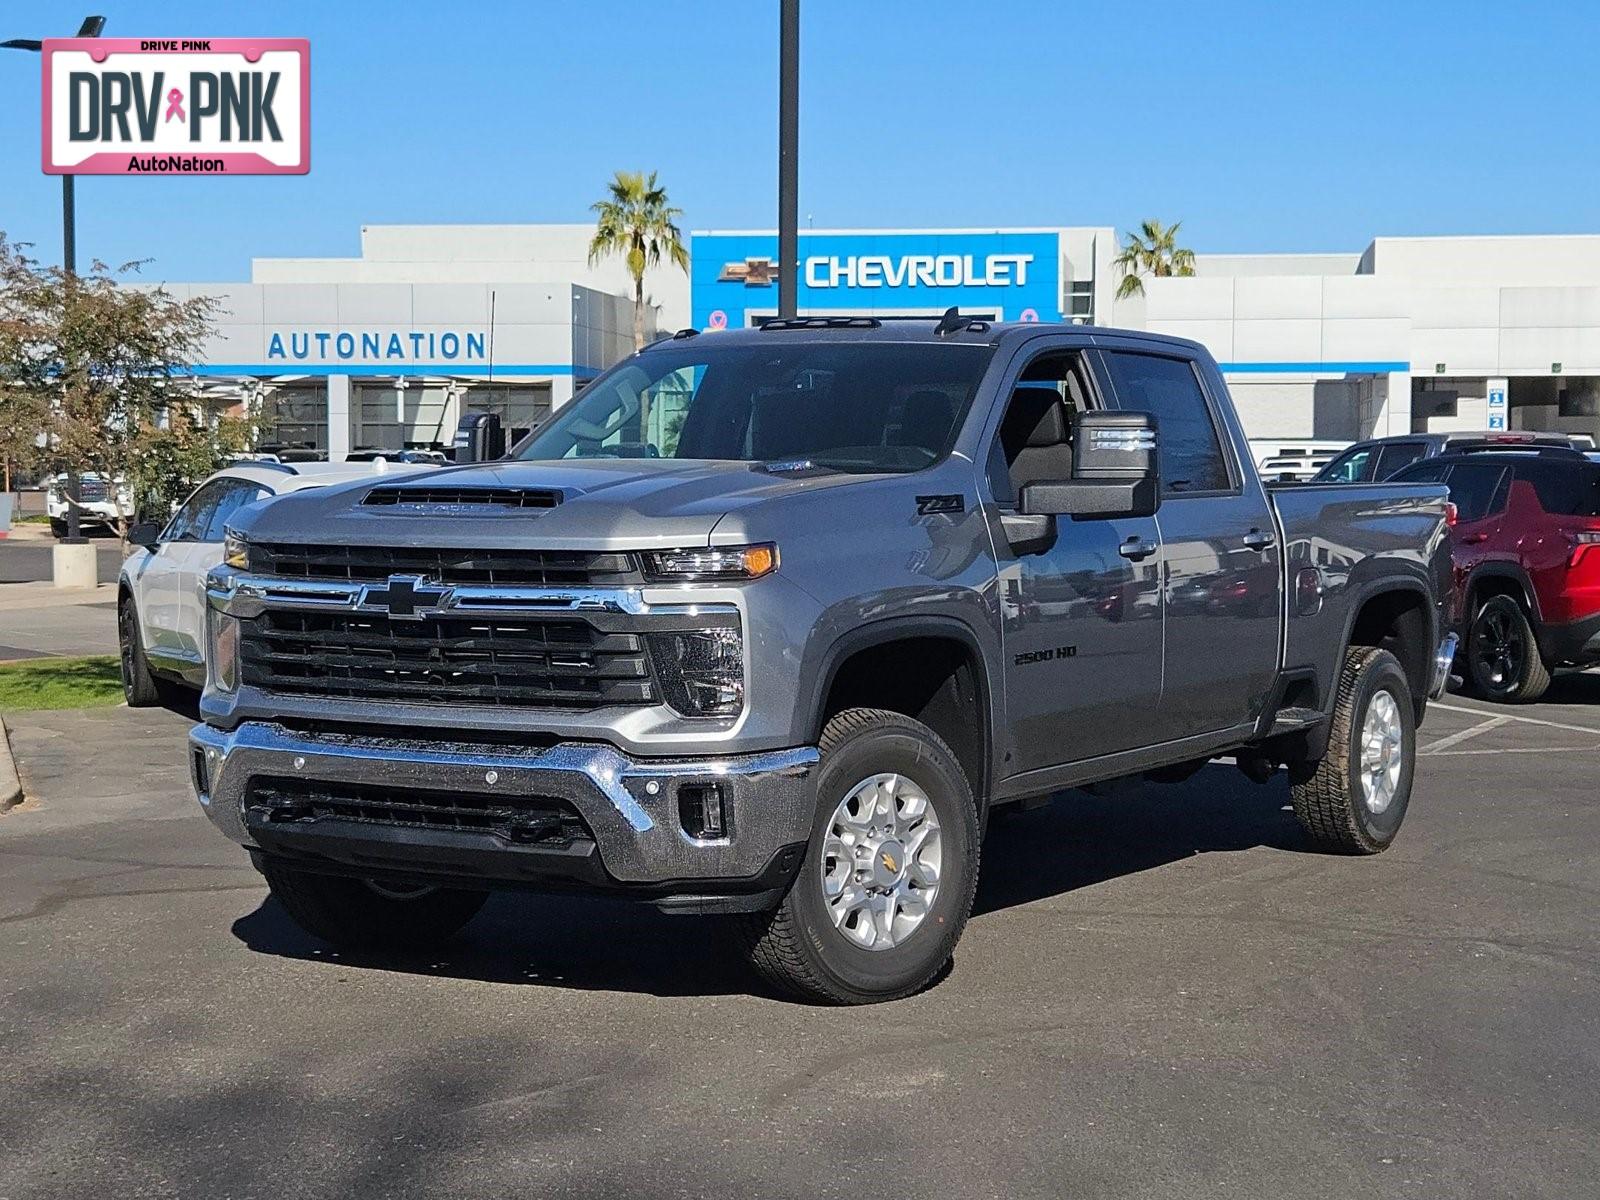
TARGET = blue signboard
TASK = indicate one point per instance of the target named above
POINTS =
(1011, 276)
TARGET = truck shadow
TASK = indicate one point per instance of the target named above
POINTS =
(595, 944)
(1081, 839)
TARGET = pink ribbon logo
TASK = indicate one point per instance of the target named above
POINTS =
(175, 106)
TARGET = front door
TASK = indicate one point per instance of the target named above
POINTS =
(1080, 605)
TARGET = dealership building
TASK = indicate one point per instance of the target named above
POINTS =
(391, 348)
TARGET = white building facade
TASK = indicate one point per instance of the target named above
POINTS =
(389, 349)
(1413, 334)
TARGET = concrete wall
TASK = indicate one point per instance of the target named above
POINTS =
(484, 254)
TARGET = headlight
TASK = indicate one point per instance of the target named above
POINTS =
(717, 562)
(222, 657)
(235, 551)
(702, 670)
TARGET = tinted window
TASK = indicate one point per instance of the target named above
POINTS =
(1397, 455)
(1474, 488)
(235, 496)
(1186, 436)
(1353, 466)
(1565, 489)
(189, 523)
(1426, 472)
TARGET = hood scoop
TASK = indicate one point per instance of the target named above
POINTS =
(446, 499)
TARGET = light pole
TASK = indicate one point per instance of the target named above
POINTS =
(90, 28)
(789, 159)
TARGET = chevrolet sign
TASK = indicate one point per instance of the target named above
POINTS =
(918, 270)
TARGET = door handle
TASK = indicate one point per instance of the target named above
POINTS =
(1136, 548)
(1258, 539)
(1472, 539)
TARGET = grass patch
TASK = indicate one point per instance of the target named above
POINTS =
(32, 519)
(92, 682)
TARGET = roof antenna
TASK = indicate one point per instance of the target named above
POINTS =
(951, 322)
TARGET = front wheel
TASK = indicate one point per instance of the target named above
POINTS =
(140, 687)
(365, 914)
(1503, 653)
(1356, 797)
(889, 874)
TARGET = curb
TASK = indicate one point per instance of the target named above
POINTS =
(10, 784)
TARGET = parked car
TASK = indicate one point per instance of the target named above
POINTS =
(1294, 458)
(97, 505)
(880, 579)
(161, 590)
(1527, 564)
(1381, 458)
(373, 454)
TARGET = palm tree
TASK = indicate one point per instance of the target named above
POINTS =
(635, 220)
(1154, 250)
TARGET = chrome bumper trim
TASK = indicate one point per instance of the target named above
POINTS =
(636, 828)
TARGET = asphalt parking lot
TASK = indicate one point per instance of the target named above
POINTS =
(1161, 993)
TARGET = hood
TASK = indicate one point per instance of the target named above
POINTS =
(622, 503)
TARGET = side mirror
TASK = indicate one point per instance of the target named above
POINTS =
(146, 534)
(1115, 471)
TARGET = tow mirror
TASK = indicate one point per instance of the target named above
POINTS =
(146, 534)
(1115, 471)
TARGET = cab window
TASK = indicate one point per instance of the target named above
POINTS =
(1355, 465)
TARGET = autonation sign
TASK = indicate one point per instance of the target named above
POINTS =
(1010, 274)
(177, 106)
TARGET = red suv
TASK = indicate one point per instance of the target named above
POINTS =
(1527, 564)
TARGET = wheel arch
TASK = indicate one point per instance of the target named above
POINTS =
(1398, 616)
(938, 658)
(1500, 579)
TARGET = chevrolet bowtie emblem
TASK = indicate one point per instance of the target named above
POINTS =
(752, 272)
(888, 862)
(407, 596)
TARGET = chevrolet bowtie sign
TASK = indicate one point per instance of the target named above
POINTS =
(191, 106)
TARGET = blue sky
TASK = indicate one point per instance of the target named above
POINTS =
(1263, 127)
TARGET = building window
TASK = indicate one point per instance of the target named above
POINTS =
(1080, 302)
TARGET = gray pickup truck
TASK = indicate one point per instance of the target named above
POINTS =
(768, 622)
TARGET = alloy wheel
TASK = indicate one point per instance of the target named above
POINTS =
(881, 860)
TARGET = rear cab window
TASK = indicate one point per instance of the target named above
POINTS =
(1188, 442)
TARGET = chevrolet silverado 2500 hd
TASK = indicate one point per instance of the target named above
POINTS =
(767, 621)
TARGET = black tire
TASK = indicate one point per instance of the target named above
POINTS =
(797, 947)
(356, 915)
(58, 527)
(1503, 659)
(1330, 799)
(140, 687)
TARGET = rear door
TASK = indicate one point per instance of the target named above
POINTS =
(1220, 556)
(1478, 490)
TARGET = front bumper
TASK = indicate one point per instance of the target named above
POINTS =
(630, 806)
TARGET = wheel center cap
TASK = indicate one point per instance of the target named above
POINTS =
(888, 863)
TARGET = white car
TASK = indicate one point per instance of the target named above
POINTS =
(161, 603)
(96, 506)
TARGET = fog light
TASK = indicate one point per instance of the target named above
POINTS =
(700, 810)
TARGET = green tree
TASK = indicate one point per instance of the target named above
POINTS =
(636, 221)
(94, 379)
(1154, 250)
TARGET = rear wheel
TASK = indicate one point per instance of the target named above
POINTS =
(1353, 801)
(58, 527)
(364, 914)
(1503, 653)
(890, 871)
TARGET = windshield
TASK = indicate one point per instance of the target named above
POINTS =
(865, 406)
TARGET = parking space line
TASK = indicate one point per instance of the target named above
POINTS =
(1521, 750)
(1478, 712)
(1456, 739)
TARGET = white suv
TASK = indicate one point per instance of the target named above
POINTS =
(161, 603)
